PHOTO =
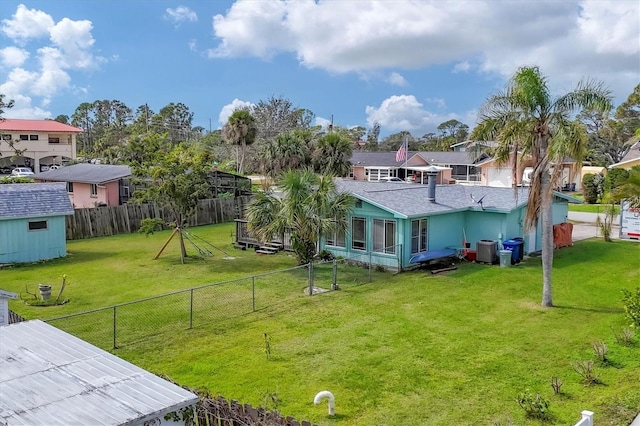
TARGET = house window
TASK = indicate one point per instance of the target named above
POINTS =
(358, 233)
(6, 137)
(377, 174)
(336, 239)
(94, 190)
(37, 225)
(24, 137)
(54, 140)
(33, 137)
(69, 187)
(418, 236)
(384, 236)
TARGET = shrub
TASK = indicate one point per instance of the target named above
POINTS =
(600, 349)
(586, 370)
(556, 384)
(624, 337)
(589, 189)
(615, 177)
(631, 302)
(325, 255)
(534, 406)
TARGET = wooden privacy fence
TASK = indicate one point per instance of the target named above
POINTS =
(125, 219)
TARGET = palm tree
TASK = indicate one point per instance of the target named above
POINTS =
(333, 155)
(309, 207)
(629, 189)
(525, 119)
(287, 151)
(241, 131)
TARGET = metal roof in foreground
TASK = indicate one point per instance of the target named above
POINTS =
(49, 377)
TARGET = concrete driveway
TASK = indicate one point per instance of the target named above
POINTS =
(584, 226)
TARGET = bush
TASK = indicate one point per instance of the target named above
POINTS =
(534, 406)
(586, 370)
(325, 255)
(589, 189)
(631, 302)
(615, 178)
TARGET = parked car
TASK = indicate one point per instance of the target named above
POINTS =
(54, 167)
(5, 170)
(44, 167)
(22, 172)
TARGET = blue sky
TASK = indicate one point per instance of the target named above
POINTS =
(409, 65)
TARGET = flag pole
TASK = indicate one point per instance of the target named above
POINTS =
(406, 157)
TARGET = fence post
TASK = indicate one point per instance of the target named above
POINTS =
(334, 281)
(588, 416)
(370, 263)
(253, 293)
(400, 258)
(114, 328)
(310, 264)
(191, 310)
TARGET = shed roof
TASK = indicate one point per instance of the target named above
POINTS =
(20, 125)
(49, 377)
(381, 159)
(86, 173)
(388, 159)
(30, 200)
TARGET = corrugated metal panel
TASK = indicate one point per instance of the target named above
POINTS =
(48, 377)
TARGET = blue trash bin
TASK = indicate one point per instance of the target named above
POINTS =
(516, 247)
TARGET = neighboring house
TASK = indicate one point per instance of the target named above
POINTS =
(32, 221)
(501, 175)
(45, 143)
(374, 166)
(4, 305)
(474, 146)
(631, 158)
(392, 222)
(49, 377)
(91, 185)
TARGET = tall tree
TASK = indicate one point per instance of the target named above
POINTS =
(7, 105)
(332, 155)
(240, 130)
(310, 206)
(175, 120)
(4, 105)
(451, 132)
(525, 119)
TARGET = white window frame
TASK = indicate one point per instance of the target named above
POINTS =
(361, 242)
(383, 230)
(337, 239)
(419, 240)
(94, 190)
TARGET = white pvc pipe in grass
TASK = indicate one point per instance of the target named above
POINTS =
(329, 395)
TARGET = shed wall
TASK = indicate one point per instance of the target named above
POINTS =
(19, 245)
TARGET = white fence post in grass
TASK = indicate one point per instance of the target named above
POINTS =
(587, 418)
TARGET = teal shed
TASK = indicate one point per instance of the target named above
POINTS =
(32, 221)
(392, 222)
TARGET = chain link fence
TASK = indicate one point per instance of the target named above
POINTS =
(132, 322)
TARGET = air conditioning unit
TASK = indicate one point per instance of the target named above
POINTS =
(486, 251)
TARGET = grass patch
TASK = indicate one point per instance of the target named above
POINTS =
(591, 208)
(412, 348)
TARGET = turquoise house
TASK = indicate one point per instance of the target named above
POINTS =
(32, 221)
(392, 222)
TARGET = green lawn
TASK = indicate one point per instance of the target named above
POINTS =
(412, 348)
(591, 208)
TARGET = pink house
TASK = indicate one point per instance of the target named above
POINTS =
(92, 185)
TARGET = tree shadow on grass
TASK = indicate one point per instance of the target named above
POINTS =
(604, 310)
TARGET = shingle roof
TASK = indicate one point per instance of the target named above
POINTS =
(86, 173)
(20, 200)
(410, 199)
(49, 377)
(18, 125)
(449, 157)
(631, 155)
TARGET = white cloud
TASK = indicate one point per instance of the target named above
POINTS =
(228, 109)
(193, 45)
(461, 67)
(181, 14)
(27, 24)
(404, 113)
(396, 79)
(567, 39)
(38, 75)
(12, 56)
(322, 122)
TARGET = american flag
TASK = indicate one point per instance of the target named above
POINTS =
(401, 154)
